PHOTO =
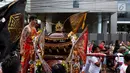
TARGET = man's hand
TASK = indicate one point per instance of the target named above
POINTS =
(122, 43)
(101, 59)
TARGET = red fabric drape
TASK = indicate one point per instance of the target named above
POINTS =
(85, 40)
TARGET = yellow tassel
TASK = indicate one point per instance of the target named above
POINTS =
(83, 25)
(12, 3)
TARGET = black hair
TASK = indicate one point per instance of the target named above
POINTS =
(128, 41)
(11, 65)
(103, 41)
(92, 41)
(117, 42)
(107, 47)
(127, 57)
(128, 69)
(58, 68)
(32, 17)
(94, 47)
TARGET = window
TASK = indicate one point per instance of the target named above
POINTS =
(121, 27)
(128, 28)
(122, 15)
(75, 3)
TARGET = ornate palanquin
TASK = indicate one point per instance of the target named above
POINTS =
(57, 45)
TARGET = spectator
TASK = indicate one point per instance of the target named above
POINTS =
(117, 46)
(123, 68)
(102, 45)
(127, 61)
(128, 45)
(126, 52)
(119, 61)
(95, 66)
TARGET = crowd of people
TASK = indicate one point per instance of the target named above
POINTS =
(116, 59)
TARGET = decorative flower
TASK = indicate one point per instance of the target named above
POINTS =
(38, 63)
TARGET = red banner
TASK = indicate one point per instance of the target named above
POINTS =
(81, 44)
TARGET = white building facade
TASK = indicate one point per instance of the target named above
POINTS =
(103, 15)
(99, 11)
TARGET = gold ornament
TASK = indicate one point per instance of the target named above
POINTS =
(70, 34)
(65, 50)
(59, 26)
(38, 63)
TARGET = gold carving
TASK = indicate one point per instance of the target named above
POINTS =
(15, 26)
(59, 26)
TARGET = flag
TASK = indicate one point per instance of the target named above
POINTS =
(11, 24)
(81, 44)
(85, 36)
(76, 21)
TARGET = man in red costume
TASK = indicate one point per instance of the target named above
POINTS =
(26, 45)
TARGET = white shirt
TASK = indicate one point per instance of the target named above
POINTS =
(119, 59)
(93, 68)
(123, 68)
(88, 63)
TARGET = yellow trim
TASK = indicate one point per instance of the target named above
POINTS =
(12, 3)
(83, 25)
